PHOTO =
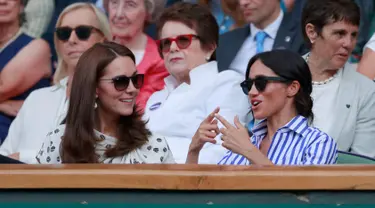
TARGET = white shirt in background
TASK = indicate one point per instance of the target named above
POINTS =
(248, 48)
(324, 99)
(177, 111)
(42, 111)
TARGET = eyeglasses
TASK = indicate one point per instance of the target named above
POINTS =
(260, 83)
(182, 41)
(121, 83)
(83, 32)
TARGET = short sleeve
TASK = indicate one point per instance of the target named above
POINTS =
(50, 150)
(321, 151)
(156, 151)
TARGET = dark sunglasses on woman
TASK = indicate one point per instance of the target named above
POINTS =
(260, 83)
(83, 32)
(121, 83)
(182, 41)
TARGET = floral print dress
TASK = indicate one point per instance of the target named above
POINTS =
(156, 150)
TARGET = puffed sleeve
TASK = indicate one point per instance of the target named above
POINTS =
(50, 150)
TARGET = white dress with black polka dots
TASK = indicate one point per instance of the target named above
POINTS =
(156, 150)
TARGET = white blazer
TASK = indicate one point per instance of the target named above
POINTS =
(354, 114)
(177, 111)
(42, 111)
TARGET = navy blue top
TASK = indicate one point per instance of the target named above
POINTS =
(5, 56)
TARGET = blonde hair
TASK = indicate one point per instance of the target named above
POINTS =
(61, 70)
(150, 9)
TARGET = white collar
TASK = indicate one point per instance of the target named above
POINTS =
(63, 83)
(199, 75)
(271, 29)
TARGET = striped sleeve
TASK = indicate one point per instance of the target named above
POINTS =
(322, 150)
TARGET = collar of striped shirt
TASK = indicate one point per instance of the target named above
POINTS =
(298, 124)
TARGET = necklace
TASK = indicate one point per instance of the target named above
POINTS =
(324, 81)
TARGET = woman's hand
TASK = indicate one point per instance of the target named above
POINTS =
(235, 138)
(15, 156)
(206, 132)
(10, 107)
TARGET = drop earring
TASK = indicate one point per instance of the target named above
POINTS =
(95, 104)
(208, 58)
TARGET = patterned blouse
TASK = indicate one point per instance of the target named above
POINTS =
(156, 150)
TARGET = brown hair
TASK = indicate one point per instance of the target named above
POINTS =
(196, 17)
(322, 13)
(79, 141)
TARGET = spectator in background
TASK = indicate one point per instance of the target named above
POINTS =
(79, 27)
(60, 5)
(263, 33)
(188, 39)
(367, 11)
(127, 20)
(25, 63)
(38, 16)
(225, 22)
(102, 125)
(232, 8)
(279, 92)
(344, 100)
(367, 64)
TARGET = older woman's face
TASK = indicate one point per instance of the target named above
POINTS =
(127, 17)
(73, 48)
(336, 43)
(111, 100)
(179, 61)
(273, 99)
(10, 10)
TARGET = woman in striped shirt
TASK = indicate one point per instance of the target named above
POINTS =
(281, 100)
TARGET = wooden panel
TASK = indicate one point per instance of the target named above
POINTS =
(188, 177)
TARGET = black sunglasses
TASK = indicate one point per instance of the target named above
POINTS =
(83, 32)
(260, 83)
(121, 83)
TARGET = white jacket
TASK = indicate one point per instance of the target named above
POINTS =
(42, 111)
(177, 111)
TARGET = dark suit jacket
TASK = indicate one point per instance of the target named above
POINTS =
(289, 36)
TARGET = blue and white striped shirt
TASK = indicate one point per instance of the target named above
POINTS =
(293, 144)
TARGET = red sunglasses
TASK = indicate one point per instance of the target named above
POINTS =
(182, 41)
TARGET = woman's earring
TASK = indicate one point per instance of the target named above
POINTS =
(95, 104)
(208, 58)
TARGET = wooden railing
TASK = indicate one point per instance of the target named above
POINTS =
(188, 177)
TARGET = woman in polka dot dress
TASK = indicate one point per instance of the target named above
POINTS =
(102, 124)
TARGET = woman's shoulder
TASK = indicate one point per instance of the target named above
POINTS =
(229, 75)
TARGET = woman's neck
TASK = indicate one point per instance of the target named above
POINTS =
(106, 123)
(136, 43)
(279, 120)
(70, 71)
(8, 31)
(319, 67)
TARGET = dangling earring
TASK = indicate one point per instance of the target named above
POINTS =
(95, 104)
(208, 58)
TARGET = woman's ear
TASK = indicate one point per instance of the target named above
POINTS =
(293, 89)
(311, 32)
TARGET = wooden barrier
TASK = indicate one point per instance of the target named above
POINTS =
(187, 177)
